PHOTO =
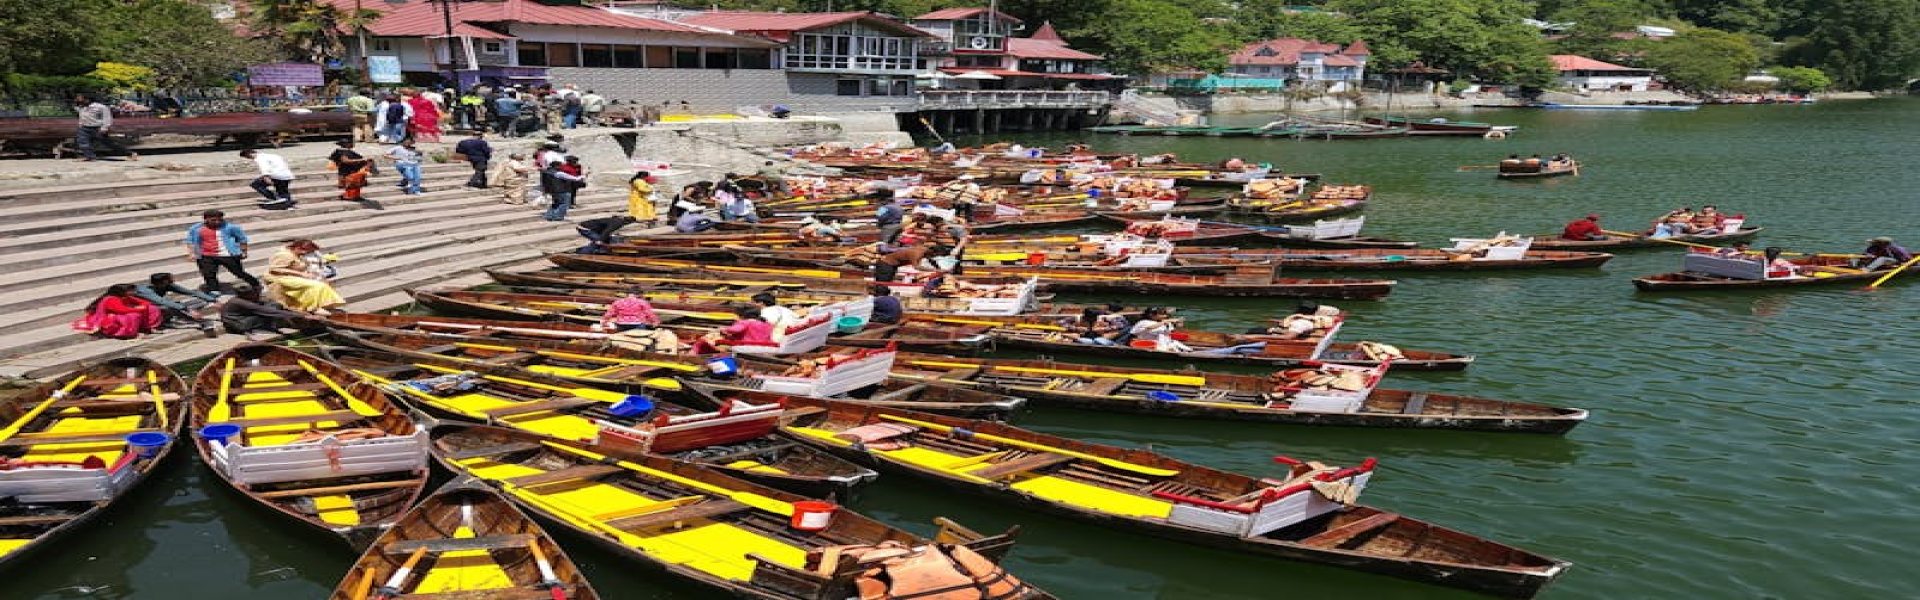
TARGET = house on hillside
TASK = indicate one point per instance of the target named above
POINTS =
(1278, 63)
(844, 54)
(982, 53)
(1586, 74)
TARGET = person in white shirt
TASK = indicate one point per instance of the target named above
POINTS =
(275, 177)
(774, 314)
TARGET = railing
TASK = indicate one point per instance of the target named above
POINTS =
(947, 99)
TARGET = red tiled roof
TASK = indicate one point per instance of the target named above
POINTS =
(999, 72)
(1078, 76)
(1285, 51)
(1339, 60)
(951, 14)
(1046, 33)
(1042, 49)
(1357, 48)
(1570, 62)
(421, 18)
(781, 26)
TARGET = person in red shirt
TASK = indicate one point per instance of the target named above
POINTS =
(629, 312)
(747, 328)
(120, 314)
(1584, 229)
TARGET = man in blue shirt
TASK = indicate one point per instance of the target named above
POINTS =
(506, 110)
(478, 153)
(182, 313)
(212, 244)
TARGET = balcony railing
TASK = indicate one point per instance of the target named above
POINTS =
(953, 99)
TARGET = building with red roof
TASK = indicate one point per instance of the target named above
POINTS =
(985, 55)
(847, 54)
(1301, 61)
(1586, 74)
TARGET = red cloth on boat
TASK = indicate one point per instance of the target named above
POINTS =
(1582, 229)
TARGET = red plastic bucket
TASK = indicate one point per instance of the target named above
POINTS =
(812, 515)
(1036, 258)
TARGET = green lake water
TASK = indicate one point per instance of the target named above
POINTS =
(1742, 445)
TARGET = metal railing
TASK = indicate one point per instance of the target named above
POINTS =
(949, 99)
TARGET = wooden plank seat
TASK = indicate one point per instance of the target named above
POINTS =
(76, 437)
(708, 509)
(495, 450)
(527, 593)
(336, 415)
(1104, 386)
(1339, 535)
(35, 520)
(539, 406)
(487, 542)
(510, 358)
(338, 489)
(961, 373)
(269, 389)
(898, 394)
(1022, 465)
(624, 372)
(567, 474)
(1415, 404)
(268, 369)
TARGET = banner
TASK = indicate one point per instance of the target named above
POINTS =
(285, 74)
(384, 69)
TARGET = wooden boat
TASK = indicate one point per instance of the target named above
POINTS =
(1226, 396)
(1553, 241)
(1375, 259)
(1258, 280)
(1309, 515)
(1705, 271)
(735, 438)
(75, 445)
(465, 541)
(1138, 258)
(1043, 333)
(693, 244)
(1440, 126)
(927, 338)
(723, 533)
(1536, 167)
(306, 438)
(903, 394)
(1336, 233)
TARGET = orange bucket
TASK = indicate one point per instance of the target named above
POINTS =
(812, 515)
(1036, 258)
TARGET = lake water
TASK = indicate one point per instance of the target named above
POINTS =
(1742, 445)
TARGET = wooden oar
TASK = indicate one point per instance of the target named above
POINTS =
(222, 409)
(392, 588)
(547, 578)
(359, 407)
(1896, 271)
(772, 505)
(365, 586)
(1117, 464)
(1674, 241)
(159, 405)
(1140, 377)
(21, 423)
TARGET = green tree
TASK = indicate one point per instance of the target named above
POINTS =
(1704, 59)
(308, 30)
(1256, 22)
(180, 40)
(49, 38)
(1484, 39)
(1801, 80)
(1594, 24)
(1861, 44)
(1148, 36)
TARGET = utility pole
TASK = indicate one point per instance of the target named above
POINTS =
(446, 16)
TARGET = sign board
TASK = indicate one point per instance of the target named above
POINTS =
(383, 69)
(285, 74)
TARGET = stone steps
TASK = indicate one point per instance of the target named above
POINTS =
(123, 191)
(33, 218)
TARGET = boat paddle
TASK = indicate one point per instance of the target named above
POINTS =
(1896, 271)
(547, 578)
(222, 410)
(22, 422)
(1117, 464)
(365, 586)
(360, 407)
(159, 405)
(1707, 247)
(392, 589)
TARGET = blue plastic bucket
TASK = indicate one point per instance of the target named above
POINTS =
(632, 406)
(723, 366)
(218, 433)
(850, 325)
(148, 443)
(1163, 396)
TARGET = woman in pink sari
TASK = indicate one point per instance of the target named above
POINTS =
(118, 313)
(425, 126)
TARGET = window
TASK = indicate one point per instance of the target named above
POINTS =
(847, 87)
(719, 58)
(533, 54)
(686, 58)
(596, 55)
(380, 45)
(754, 58)
(659, 57)
(627, 57)
(563, 55)
(492, 47)
(851, 48)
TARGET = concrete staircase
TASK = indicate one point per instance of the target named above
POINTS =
(61, 246)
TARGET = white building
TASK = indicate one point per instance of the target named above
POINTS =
(1586, 74)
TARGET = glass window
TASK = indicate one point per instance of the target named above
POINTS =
(659, 57)
(596, 55)
(686, 58)
(719, 58)
(492, 47)
(626, 57)
(902, 87)
(383, 45)
(751, 58)
(533, 54)
(847, 87)
(563, 55)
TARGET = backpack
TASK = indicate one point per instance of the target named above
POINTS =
(396, 112)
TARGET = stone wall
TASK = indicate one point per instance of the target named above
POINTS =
(717, 91)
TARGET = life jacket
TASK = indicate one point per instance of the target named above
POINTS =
(934, 573)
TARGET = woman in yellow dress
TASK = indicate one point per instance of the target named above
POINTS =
(296, 279)
(640, 199)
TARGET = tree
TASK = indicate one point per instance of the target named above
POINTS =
(1594, 24)
(1149, 36)
(308, 30)
(1862, 44)
(180, 41)
(1704, 59)
(1480, 38)
(1254, 23)
(1801, 80)
(48, 38)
